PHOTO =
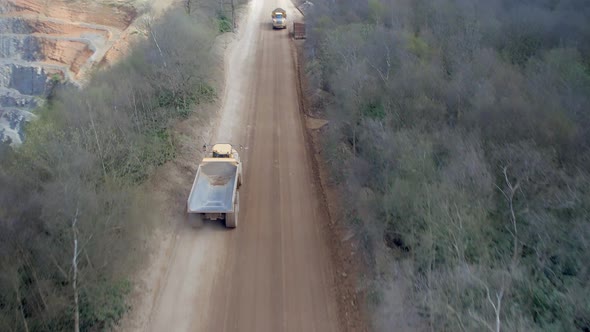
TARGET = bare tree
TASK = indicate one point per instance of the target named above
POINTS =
(19, 300)
(509, 195)
(152, 34)
(233, 16)
(75, 272)
(495, 301)
(188, 6)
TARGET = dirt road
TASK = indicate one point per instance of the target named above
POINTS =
(274, 272)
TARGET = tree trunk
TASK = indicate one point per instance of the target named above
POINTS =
(20, 307)
(157, 45)
(75, 277)
(104, 170)
(188, 6)
(233, 17)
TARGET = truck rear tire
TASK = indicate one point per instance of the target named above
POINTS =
(231, 219)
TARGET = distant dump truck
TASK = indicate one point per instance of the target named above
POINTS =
(279, 18)
(214, 195)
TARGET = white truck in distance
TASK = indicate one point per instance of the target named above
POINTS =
(279, 18)
(214, 195)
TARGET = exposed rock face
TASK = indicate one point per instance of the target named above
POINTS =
(11, 122)
(26, 80)
(41, 41)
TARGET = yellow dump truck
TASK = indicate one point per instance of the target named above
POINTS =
(279, 18)
(214, 195)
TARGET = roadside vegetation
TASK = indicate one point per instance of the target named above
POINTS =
(73, 220)
(460, 138)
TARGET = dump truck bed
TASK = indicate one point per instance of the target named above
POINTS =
(214, 187)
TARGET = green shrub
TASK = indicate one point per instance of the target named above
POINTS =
(224, 23)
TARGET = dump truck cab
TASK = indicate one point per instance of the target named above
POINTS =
(226, 151)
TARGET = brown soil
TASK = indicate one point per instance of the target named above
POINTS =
(76, 34)
(315, 123)
(61, 28)
(343, 243)
(285, 267)
(66, 52)
(114, 14)
(274, 272)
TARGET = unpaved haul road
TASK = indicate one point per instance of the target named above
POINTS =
(274, 272)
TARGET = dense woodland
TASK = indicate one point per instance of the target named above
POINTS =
(73, 220)
(460, 137)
